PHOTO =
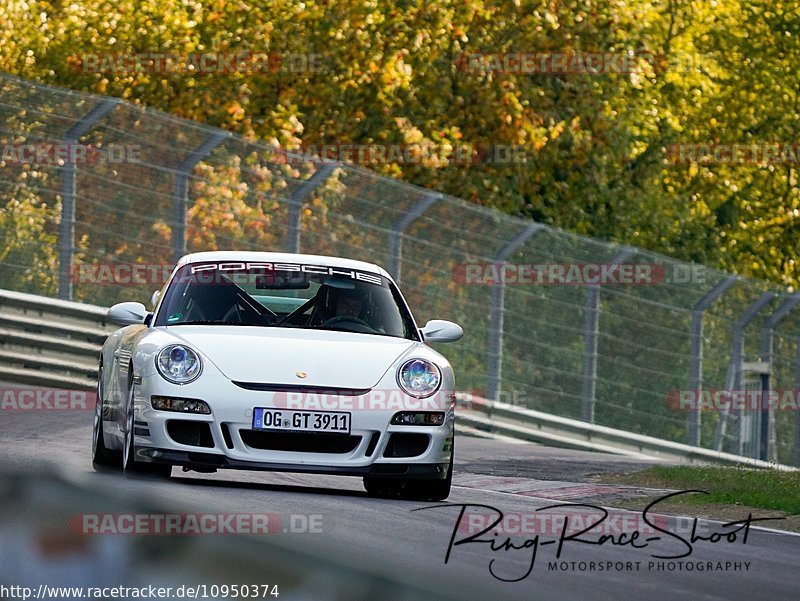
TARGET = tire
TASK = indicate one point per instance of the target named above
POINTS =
(415, 489)
(102, 458)
(383, 488)
(430, 490)
(130, 466)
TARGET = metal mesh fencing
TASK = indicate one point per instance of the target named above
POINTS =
(665, 352)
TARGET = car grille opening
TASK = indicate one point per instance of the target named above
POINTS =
(226, 435)
(196, 434)
(300, 442)
(406, 444)
(373, 442)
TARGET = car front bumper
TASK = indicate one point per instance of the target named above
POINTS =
(372, 448)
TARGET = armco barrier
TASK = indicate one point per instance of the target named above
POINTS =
(482, 415)
(50, 342)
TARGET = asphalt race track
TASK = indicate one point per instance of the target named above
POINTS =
(395, 539)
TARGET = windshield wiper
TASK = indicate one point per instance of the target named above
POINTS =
(213, 322)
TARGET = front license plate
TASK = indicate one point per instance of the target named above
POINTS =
(337, 422)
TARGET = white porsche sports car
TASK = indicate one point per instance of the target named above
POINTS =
(287, 362)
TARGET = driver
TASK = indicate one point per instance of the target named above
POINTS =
(348, 303)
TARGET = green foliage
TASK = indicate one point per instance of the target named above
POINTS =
(596, 145)
(27, 257)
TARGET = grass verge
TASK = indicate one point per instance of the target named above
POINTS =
(733, 493)
(765, 489)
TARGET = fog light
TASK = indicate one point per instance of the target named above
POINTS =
(165, 403)
(418, 418)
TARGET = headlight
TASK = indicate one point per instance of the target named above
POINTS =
(178, 364)
(419, 378)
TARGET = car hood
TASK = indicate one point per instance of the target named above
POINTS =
(275, 355)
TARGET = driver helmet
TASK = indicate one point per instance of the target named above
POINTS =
(347, 303)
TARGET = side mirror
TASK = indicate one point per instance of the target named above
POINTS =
(126, 314)
(439, 330)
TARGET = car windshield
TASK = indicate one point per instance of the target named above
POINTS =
(285, 295)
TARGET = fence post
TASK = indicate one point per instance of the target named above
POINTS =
(180, 191)
(590, 333)
(296, 204)
(497, 310)
(734, 381)
(797, 413)
(66, 230)
(766, 414)
(696, 367)
(400, 226)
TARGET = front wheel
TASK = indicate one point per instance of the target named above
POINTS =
(431, 490)
(383, 488)
(129, 463)
(416, 489)
(101, 456)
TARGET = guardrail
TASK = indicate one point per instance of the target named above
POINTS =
(56, 343)
(49, 342)
(484, 416)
